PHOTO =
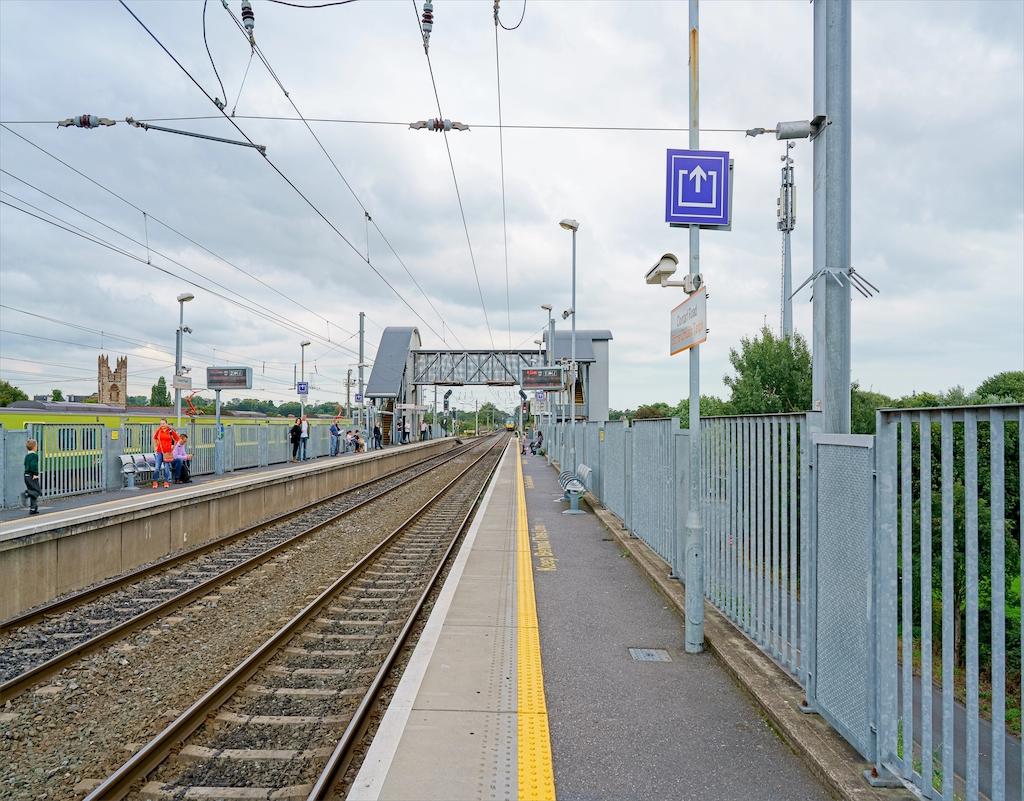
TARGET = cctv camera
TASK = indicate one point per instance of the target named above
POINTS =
(665, 268)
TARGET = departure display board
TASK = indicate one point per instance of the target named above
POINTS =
(229, 378)
(542, 378)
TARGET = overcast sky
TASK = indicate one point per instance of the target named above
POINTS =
(938, 186)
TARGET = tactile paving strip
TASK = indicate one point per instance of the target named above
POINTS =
(536, 773)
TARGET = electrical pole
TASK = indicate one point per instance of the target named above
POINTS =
(362, 400)
(348, 394)
(830, 382)
(787, 222)
(694, 533)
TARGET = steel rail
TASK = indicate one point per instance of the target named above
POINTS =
(340, 758)
(61, 605)
(19, 684)
(146, 759)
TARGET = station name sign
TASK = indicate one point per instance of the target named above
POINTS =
(689, 322)
(542, 378)
(229, 378)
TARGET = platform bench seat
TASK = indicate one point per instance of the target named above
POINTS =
(135, 464)
(574, 485)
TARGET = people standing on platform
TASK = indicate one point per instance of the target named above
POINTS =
(33, 489)
(164, 439)
(423, 431)
(295, 434)
(180, 466)
(304, 439)
(378, 437)
(408, 431)
(335, 437)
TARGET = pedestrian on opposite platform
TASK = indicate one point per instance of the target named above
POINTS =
(378, 438)
(295, 433)
(360, 442)
(348, 440)
(335, 437)
(33, 489)
(303, 439)
(180, 466)
(423, 431)
(164, 439)
(408, 431)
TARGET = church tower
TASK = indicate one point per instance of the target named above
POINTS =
(113, 385)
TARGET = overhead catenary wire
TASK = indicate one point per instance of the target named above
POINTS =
(188, 239)
(276, 169)
(260, 310)
(70, 228)
(367, 217)
(455, 179)
(501, 160)
(208, 53)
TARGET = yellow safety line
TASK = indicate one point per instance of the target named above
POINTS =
(536, 774)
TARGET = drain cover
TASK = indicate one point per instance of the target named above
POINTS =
(649, 655)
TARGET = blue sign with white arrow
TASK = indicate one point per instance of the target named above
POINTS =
(697, 187)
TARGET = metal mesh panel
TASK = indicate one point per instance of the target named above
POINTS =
(653, 486)
(201, 444)
(845, 673)
(614, 475)
(593, 455)
(70, 457)
(280, 448)
(246, 440)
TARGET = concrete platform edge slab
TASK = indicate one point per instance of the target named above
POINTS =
(830, 758)
(369, 782)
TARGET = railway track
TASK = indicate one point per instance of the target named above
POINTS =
(43, 641)
(283, 722)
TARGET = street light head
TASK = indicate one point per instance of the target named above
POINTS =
(665, 268)
(566, 313)
(569, 225)
(185, 297)
(303, 344)
(547, 306)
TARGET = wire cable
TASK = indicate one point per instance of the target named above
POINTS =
(273, 317)
(368, 219)
(278, 170)
(502, 24)
(319, 5)
(455, 180)
(501, 159)
(222, 91)
(188, 239)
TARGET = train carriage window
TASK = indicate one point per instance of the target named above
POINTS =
(66, 439)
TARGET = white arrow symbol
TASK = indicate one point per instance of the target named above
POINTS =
(697, 176)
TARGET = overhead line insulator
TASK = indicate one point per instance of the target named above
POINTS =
(85, 121)
(437, 125)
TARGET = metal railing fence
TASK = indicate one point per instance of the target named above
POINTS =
(653, 497)
(755, 506)
(279, 446)
(949, 529)
(246, 441)
(71, 457)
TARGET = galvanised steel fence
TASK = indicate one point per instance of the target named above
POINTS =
(71, 457)
(653, 498)
(77, 458)
(755, 509)
(949, 532)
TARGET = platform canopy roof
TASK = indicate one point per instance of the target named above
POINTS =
(585, 340)
(389, 364)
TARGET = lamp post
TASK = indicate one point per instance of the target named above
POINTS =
(572, 225)
(302, 398)
(183, 298)
(550, 363)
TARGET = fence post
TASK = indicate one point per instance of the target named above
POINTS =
(113, 446)
(809, 557)
(680, 477)
(627, 481)
(885, 593)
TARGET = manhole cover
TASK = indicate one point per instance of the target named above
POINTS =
(649, 655)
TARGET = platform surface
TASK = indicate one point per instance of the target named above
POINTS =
(461, 725)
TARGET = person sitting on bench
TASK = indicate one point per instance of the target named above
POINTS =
(182, 473)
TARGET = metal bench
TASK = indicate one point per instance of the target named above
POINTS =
(134, 464)
(574, 485)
